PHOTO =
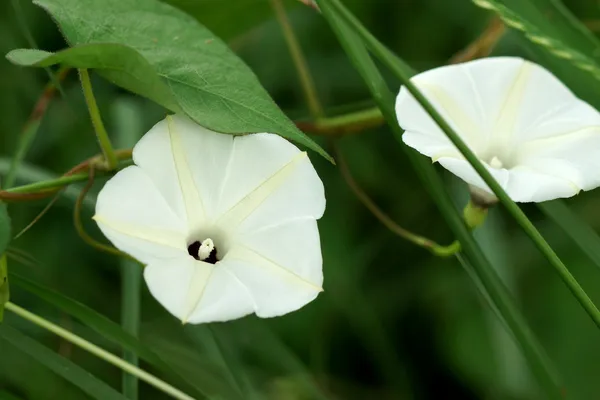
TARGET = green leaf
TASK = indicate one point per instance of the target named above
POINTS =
(160, 52)
(555, 38)
(102, 325)
(70, 371)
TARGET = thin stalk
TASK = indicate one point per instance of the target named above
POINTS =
(127, 121)
(403, 73)
(428, 244)
(32, 125)
(97, 351)
(533, 352)
(101, 134)
(306, 80)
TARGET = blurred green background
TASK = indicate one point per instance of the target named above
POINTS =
(393, 322)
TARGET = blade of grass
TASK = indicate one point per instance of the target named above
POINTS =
(403, 72)
(63, 367)
(105, 327)
(127, 118)
(96, 351)
(498, 293)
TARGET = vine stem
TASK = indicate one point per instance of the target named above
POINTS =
(97, 351)
(308, 84)
(438, 250)
(101, 134)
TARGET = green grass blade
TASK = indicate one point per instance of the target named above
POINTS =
(127, 121)
(105, 327)
(582, 234)
(70, 371)
(500, 297)
(404, 74)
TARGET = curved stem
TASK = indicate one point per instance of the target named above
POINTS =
(439, 250)
(101, 134)
(97, 351)
(308, 84)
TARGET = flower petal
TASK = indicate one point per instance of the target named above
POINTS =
(187, 163)
(574, 156)
(269, 181)
(522, 184)
(549, 108)
(470, 96)
(197, 292)
(134, 216)
(275, 289)
(294, 244)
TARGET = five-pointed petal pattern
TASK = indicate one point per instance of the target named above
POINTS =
(256, 197)
(536, 138)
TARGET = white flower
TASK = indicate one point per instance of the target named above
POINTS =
(226, 225)
(536, 138)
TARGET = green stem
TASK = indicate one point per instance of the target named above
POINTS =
(49, 184)
(101, 134)
(97, 351)
(353, 122)
(127, 120)
(308, 84)
(438, 250)
(498, 293)
(404, 73)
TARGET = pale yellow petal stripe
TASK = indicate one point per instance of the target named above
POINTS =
(505, 124)
(465, 124)
(196, 216)
(198, 283)
(239, 212)
(247, 255)
(157, 236)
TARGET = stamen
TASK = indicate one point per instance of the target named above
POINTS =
(205, 249)
(496, 163)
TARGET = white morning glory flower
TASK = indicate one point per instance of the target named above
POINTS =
(225, 224)
(536, 138)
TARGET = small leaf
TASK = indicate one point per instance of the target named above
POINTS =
(63, 367)
(161, 44)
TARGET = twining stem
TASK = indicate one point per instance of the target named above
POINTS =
(390, 60)
(32, 125)
(438, 250)
(101, 134)
(484, 44)
(98, 352)
(306, 80)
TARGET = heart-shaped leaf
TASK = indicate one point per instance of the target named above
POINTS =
(160, 52)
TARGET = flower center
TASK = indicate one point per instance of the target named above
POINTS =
(204, 251)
